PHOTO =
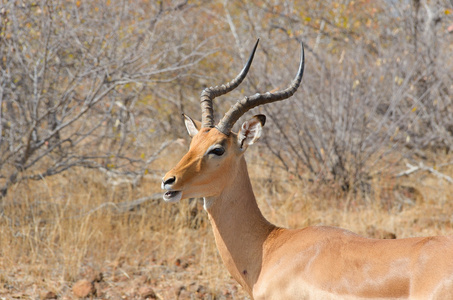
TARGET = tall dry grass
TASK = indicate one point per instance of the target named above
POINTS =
(56, 231)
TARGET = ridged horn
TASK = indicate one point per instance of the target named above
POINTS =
(208, 94)
(247, 103)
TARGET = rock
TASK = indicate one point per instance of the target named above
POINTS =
(83, 288)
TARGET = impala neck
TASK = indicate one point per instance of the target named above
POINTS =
(240, 229)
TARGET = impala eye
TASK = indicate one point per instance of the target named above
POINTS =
(217, 151)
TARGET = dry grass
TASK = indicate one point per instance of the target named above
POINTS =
(65, 228)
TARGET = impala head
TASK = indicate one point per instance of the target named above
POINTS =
(215, 151)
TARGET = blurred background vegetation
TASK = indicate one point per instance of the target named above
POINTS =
(91, 94)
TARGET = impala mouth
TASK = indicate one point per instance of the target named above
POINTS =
(172, 196)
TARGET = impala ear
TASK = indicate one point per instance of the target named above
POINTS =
(250, 131)
(192, 126)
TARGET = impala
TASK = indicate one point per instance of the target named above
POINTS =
(269, 262)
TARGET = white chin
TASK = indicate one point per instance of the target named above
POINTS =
(172, 196)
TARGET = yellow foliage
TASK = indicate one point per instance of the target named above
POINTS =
(398, 80)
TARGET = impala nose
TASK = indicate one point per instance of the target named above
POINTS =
(168, 181)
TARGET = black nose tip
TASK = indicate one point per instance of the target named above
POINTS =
(170, 180)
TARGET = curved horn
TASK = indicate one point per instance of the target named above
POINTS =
(247, 103)
(208, 94)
